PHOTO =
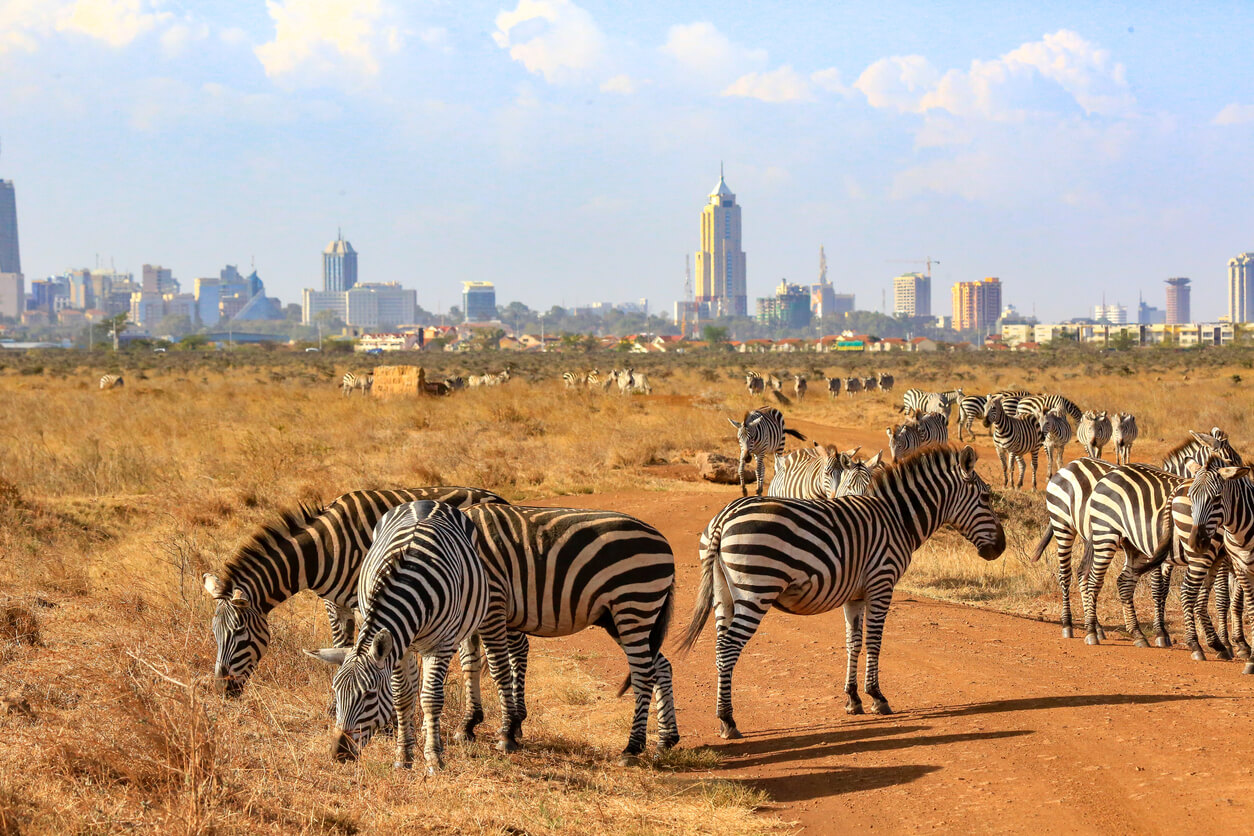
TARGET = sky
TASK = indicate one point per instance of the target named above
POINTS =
(563, 150)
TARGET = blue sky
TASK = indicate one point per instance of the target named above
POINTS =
(563, 150)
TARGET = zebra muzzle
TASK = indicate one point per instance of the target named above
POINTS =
(344, 746)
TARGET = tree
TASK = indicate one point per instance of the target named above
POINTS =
(487, 339)
(714, 334)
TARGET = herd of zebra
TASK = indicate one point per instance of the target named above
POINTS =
(628, 381)
(364, 382)
(774, 382)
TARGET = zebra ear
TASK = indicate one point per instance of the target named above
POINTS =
(874, 461)
(331, 655)
(214, 585)
(381, 645)
(967, 458)
(1234, 472)
(733, 423)
(1205, 438)
(853, 452)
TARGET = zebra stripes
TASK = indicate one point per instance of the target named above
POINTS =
(809, 557)
(833, 387)
(1056, 432)
(320, 550)
(557, 571)
(761, 432)
(1037, 405)
(422, 591)
(1122, 434)
(1014, 438)
(810, 473)
(573, 380)
(352, 381)
(1198, 449)
(970, 408)
(886, 382)
(754, 383)
(853, 385)
(1093, 432)
(1238, 538)
(920, 402)
(111, 381)
(916, 433)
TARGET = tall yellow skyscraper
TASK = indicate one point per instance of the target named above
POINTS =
(720, 287)
(977, 305)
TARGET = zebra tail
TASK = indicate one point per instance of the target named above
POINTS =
(1043, 542)
(705, 604)
(1166, 541)
(1086, 562)
(661, 625)
(794, 434)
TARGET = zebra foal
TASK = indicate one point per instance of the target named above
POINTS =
(808, 557)
(761, 432)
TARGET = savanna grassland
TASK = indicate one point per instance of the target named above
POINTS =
(112, 505)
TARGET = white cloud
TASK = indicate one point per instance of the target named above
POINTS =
(782, 85)
(179, 35)
(552, 38)
(829, 80)
(897, 82)
(1234, 114)
(116, 22)
(323, 39)
(22, 21)
(619, 84)
(703, 50)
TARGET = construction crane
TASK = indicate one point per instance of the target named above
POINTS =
(688, 307)
(929, 261)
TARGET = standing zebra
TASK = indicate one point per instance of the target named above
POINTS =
(351, 381)
(870, 384)
(112, 381)
(594, 380)
(774, 383)
(923, 402)
(833, 387)
(1056, 431)
(557, 571)
(319, 550)
(573, 380)
(807, 557)
(640, 383)
(1093, 432)
(886, 382)
(856, 479)
(1014, 437)
(903, 439)
(799, 386)
(1037, 405)
(1238, 537)
(422, 590)
(754, 383)
(1122, 434)
(932, 427)
(810, 473)
(762, 431)
(970, 408)
(853, 385)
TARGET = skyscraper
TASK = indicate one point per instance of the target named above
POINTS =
(912, 295)
(1241, 288)
(1178, 301)
(721, 261)
(822, 295)
(339, 265)
(977, 305)
(10, 255)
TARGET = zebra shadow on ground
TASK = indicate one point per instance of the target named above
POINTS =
(1061, 701)
(826, 783)
(798, 747)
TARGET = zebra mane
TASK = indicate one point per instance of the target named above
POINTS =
(258, 547)
(915, 460)
(1188, 444)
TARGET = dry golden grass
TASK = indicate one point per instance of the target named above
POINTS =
(113, 504)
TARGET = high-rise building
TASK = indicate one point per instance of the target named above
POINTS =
(12, 295)
(1178, 301)
(912, 295)
(788, 308)
(721, 261)
(158, 279)
(81, 294)
(1113, 314)
(208, 296)
(10, 254)
(339, 265)
(381, 305)
(1241, 288)
(478, 301)
(977, 304)
(822, 295)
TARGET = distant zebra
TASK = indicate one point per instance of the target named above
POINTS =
(557, 571)
(774, 383)
(1093, 432)
(621, 377)
(112, 381)
(1040, 404)
(810, 473)
(833, 387)
(640, 383)
(573, 380)
(351, 381)
(762, 431)
(1122, 434)
(320, 550)
(923, 402)
(593, 380)
(1056, 431)
(870, 384)
(422, 591)
(886, 382)
(853, 385)
(970, 408)
(754, 383)
(498, 379)
(808, 557)
(1014, 437)
(799, 386)
(455, 383)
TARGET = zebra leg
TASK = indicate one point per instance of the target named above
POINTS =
(1160, 586)
(1223, 603)
(1065, 543)
(1240, 648)
(1002, 456)
(470, 656)
(1247, 593)
(1203, 616)
(404, 696)
(1126, 584)
(664, 703)
(633, 637)
(434, 670)
(519, 647)
(493, 634)
(735, 622)
(1190, 592)
(1035, 454)
(877, 605)
(761, 472)
(740, 471)
(1102, 554)
(853, 648)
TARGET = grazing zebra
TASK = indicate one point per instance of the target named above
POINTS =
(112, 381)
(1122, 435)
(593, 380)
(557, 571)
(970, 408)
(921, 402)
(799, 386)
(422, 591)
(833, 387)
(1037, 405)
(886, 382)
(1056, 431)
(853, 385)
(640, 383)
(1014, 437)
(870, 384)
(754, 383)
(351, 381)
(1093, 432)
(808, 557)
(455, 383)
(573, 380)
(498, 379)
(810, 473)
(762, 431)
(312, 549)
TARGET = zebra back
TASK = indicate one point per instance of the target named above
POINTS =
(1200, 447)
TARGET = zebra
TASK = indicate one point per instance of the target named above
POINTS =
(112, 381)
(923, 402)
(1093, 432)
(903, 439)
(970, 408)
(422, 591)
(856, 479)
(917, 432)
(1013, 437)
(870, 384)
(455, 383)
(853, 385)
(762, 431)
(351, 381)
(810, 473)
(886, 382)
(593, 380)
(754, 383)
(1056, 432)
(1122, 434)
(774, 383)
(498, 379)
(1029, 405)
(1237, 529)
(833, 387)
(799, 386)
(307, 548)
(640, 383)
(621, 377)
(807, 557)
(573, 380)
(557, 571)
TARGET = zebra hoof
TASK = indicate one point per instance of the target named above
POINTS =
(506, 744)
(626, 759)
(1241, 651)
(1067, 633)
(402, 765)
(435, 766)
(464, 735)
(728, 731)
(1249, 668)
(1198, 656)
(880, 707)
(1101, 633)
(1162, 640)
(668, 742)
(854, 707)
(1223, 655)
(1141, 642)
(1092, 638)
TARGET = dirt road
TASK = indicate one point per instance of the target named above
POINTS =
(1001, 725)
